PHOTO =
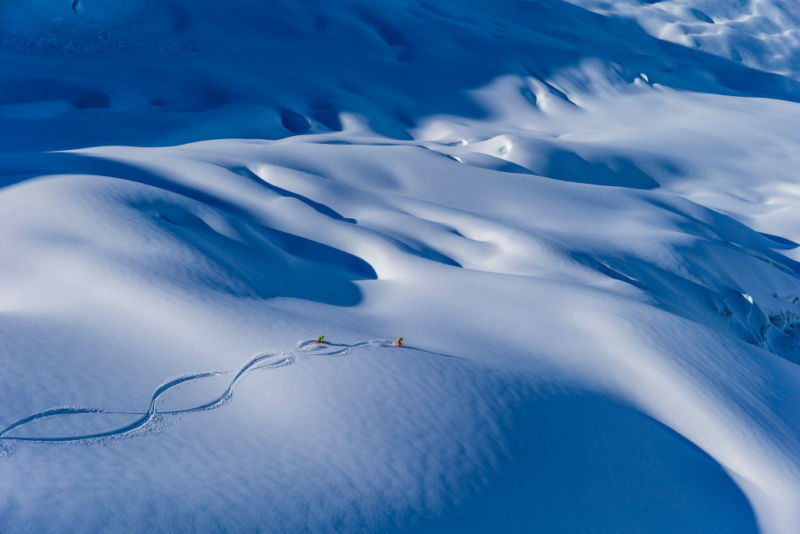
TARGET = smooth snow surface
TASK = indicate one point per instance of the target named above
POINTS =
(581, 216)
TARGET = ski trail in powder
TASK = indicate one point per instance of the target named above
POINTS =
(257, 362)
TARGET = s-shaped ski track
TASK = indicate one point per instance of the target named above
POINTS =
(271, 360)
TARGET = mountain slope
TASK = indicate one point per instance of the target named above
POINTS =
(585, 235)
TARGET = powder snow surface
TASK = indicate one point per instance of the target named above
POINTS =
(581, 216)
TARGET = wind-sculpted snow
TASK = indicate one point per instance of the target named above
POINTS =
(581, 215)
(387, 67)
(600, 286)
(764, 34)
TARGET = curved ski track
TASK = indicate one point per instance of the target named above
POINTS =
(260, 361)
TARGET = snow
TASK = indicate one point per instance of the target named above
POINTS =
(586, 235)
(763, 34)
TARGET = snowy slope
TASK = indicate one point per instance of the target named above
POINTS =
(763, 34)
(587, 236)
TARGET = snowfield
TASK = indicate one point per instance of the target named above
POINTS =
(581, 216)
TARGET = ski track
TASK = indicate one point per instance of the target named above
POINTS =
(260, 361)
